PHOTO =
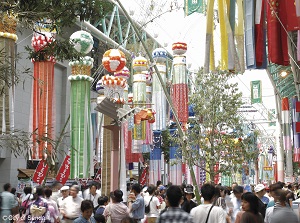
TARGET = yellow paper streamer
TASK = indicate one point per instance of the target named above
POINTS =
(239, 36)
(224, 37)
(209, 46)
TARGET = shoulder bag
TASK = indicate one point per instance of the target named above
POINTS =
(208, 214)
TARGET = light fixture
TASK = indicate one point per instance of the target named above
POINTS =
(284, 73)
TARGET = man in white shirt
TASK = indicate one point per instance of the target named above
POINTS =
(207, 210)
(93, 195)
(236, 201)
(70, 208)
(65, 190)
(154, 204)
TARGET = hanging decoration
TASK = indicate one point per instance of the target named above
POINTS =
(159, 101)
(155, 159)
(8, 38)
(147, 144)
(43, 111)
(287, 144)
(139, 65)
(114, 88)
(180, 83)
(175, 174)
(81, 125)
(113, 60)
(296, 128)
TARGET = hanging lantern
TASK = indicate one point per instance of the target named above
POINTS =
(179, 48)
(124, 73)
(83, 41)
(113, 60)
(160, 55)
(140, 64)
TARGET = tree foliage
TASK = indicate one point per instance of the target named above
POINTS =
(216, 129)
(55, 15)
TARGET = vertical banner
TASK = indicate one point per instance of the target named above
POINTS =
(256, 96)
(40, 172)
(191, 6)
(64, 171)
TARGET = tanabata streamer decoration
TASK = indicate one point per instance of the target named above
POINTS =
(287, 143)
(113, 60)
(80, 115)
(159, 101)
(155, 159)
(179, 83)
(148, 136)
(139, 65)
(43, 111)
(296, 128)
(8, 38)
(175, 157)
(114, 88)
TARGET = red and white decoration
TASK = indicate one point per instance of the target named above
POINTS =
(113, 60)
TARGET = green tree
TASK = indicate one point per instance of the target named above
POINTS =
(216, 129)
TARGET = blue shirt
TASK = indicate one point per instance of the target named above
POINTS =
(265, 200)
(138, 208)
(81, 219)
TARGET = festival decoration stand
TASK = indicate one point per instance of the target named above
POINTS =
(8, 38)
(43, 111)
(80, 115)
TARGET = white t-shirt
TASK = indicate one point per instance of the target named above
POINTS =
(200, 213)
(154, 212)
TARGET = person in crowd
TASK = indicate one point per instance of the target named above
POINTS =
(8, 202)
(65, 191)
(86, 208)
(152, 201)
(250, 209)
(273, 188)
(188, 204)
(79, 194)
(233, 185)
(56, 186)
(52, 206)
(136, 203)
(236, 201)
(99, 218)
(27, 193)
(207, 212)
(38, 211)
(174, 213)
(260, 192)
(162, 191)
(15, 209)
(116, 209)
(70, 207)
(282, 212)
(102, 202)
(127, 220)
(220, 200)
(92, 195)
(296, 190)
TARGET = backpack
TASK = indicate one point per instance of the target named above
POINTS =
(147, 207)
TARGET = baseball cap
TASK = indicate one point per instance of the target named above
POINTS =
(259, 187)
(162, 188)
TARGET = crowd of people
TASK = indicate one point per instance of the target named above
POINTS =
(151, 204)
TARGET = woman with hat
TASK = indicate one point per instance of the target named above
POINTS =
(188, 204)
(116, 210)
